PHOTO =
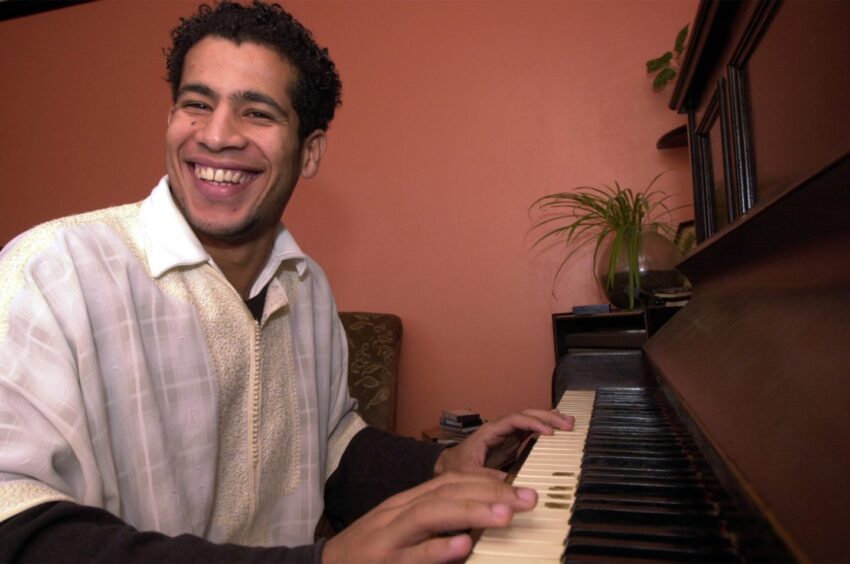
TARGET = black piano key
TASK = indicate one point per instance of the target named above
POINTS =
(623, 461)
(645, 493)
(649, 550)
(645, 440)
(650, 442)
(634, 488)
(650, 501)
(693, 472)
(592, 512)
(677, 534)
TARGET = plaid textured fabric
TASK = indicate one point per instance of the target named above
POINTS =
(133, 378)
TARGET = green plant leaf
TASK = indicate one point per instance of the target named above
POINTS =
(659, 63)
(680, 40)
(663, 77)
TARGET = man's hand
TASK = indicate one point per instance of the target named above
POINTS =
(501, 440)
(422, 524)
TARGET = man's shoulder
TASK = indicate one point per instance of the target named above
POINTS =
(121, 221)
(46, 257)
(317, 276)
(114, 216)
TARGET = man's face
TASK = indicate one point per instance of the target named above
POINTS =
(232, 150)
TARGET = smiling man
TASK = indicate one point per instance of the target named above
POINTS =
(173, 373)
(234, 153)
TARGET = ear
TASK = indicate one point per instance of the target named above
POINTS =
(312, 151)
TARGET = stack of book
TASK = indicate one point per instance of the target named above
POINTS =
(460, 421)
(669, 296)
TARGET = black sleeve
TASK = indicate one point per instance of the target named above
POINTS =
(375, 466)
(66, 532)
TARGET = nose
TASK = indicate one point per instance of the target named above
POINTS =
(220, 131)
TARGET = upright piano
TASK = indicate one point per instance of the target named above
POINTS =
(739, 447)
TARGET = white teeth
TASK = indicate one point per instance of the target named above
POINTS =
(219, 174)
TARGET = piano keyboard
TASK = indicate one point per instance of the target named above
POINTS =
(552, 469)
(627, 484)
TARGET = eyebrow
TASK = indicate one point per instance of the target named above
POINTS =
(253, 96)
(242, 95)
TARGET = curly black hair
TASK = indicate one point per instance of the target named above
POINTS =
(317, 89)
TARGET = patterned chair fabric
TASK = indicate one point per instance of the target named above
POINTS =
(374, 341)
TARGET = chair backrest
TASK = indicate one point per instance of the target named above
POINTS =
(374, 343)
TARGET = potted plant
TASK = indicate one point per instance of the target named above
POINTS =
(631, 233)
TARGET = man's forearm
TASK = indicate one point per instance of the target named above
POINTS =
(67, 532)
(375, 466)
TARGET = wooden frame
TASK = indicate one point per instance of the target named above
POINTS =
(726, 117)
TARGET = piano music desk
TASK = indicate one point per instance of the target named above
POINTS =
(602, 350)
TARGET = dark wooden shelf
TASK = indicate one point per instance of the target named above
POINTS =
(674, 139)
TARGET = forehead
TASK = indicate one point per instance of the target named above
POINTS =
(227, 67)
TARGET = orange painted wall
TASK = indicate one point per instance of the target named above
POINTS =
(456, 116)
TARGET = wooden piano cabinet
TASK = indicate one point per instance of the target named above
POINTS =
(759, 359)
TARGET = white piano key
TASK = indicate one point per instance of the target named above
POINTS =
(524, 535)
(518, 548)
(498, 559)
(552, 469)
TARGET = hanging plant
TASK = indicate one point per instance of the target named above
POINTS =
(667, 65)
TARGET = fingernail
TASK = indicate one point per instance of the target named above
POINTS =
(459, 542)
(526, 494)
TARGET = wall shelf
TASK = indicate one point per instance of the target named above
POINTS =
(674, 139)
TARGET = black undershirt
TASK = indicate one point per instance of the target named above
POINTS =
(257, 304)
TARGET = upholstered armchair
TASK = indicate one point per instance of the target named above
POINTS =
(374, 341)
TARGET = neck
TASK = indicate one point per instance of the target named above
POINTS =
(241, 263)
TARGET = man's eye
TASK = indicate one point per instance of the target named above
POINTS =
(256, 114)
(195, 105)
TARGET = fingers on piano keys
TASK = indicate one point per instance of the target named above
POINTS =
(626, 485)
(552, 470)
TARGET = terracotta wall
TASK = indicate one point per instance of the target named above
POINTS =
(456, 116)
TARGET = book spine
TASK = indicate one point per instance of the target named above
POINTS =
(461, 417)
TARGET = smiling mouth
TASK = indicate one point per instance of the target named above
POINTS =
(222, 175)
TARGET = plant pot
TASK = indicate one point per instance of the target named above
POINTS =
(654, 268)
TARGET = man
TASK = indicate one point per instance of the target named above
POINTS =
(173, 373)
